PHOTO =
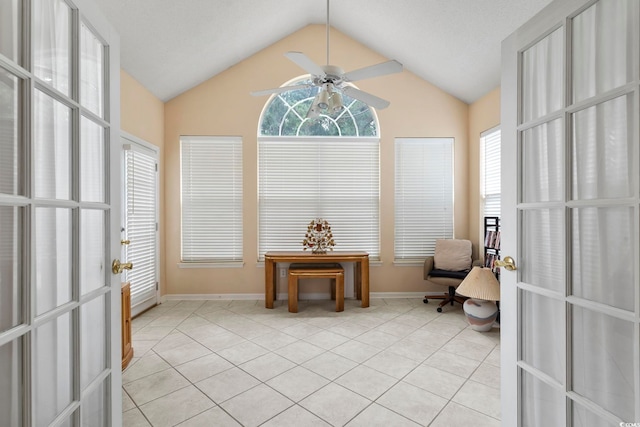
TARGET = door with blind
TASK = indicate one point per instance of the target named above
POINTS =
(59, 215)
(140, 223)
(571, 310)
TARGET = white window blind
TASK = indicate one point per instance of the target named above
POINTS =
(423, 195)
(332, 178)
(490, 143)
(140, 227)
(211, 198)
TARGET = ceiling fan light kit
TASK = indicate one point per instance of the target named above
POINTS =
(323, 97)
(335, 102)
(332, 80)
(327, 101)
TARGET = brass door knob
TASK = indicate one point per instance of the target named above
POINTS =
(508, 263)
(118, 267)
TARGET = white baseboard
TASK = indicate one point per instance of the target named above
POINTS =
(432, 294)
(193, 297)
(284, 296)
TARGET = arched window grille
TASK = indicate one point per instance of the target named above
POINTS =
(285, 115)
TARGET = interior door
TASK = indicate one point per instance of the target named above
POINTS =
(59, 302)
(140, 224)
(571, 310)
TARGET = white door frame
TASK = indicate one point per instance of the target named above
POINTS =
(549, 18)
(90, 11)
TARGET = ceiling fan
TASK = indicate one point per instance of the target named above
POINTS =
(332, 81)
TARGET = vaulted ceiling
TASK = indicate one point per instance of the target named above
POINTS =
(171, 46)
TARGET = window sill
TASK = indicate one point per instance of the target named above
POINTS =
(408, 263)
(204, 264)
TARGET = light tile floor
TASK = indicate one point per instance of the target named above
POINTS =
(236, 363)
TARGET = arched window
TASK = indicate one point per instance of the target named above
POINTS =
(285, 115)
(324, 167)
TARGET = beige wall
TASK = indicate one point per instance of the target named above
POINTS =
(223, 106)
(484, 114)
(142, 115)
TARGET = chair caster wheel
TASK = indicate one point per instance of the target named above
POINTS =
(426, 301)
(439, 309)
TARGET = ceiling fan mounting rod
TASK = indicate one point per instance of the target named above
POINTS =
(327, 32)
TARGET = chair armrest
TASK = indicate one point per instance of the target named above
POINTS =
(477, 263)
(428, 266)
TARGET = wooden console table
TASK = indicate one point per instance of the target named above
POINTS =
(361, 272)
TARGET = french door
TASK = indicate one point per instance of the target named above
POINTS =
(59, 302)
(570, 147)
(140, 224)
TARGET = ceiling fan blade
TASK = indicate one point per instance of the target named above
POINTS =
(367, 98)
(278, 90)
(381, 69)
(305, 63)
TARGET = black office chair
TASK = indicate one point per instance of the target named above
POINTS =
(448, 267)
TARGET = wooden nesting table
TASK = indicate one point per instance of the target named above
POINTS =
(335, 272)
(361, 271)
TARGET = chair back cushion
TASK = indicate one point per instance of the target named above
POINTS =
(452, 255)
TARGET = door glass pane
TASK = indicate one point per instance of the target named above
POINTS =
(542, 68)
(602, 250)
(10, 152)
(94, 407)
(11, 235)
(603, 47)
(542, 405)
(52, 43)
(542, 261)
(11, 390)
(52, 368)
(53, 258)
(92, 348)
(543, 335)
(603, 150)
(52, 147)
(10, 23)
(602, 356)
(582, 417)
(543, 163)
(92, 247)
(91, 71)
(92, 162)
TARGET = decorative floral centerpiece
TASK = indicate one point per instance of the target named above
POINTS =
(319, 237)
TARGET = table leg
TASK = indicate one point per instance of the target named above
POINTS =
(364, 277)
(357, 279)
(269, 283)
(339, 292)
(293, 293)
